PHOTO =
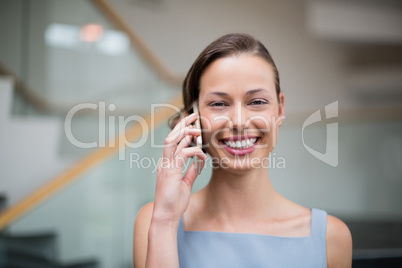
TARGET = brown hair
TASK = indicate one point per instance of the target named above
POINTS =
(227, 45)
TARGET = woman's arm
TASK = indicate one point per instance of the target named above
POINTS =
(339, 244)
(151, 239)
(162, 244)
(141, 228)
(155, 232)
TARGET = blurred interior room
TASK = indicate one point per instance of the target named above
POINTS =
(75, 70)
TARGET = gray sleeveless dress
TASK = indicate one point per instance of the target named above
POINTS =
(202, 249)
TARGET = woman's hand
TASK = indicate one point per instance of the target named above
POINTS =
(173, 190)
(172, 197)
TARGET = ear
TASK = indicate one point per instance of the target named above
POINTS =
(281, 108)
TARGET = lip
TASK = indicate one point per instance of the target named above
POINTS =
(238, 138)
(239, 152)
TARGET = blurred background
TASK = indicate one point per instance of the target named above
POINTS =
(66, 206)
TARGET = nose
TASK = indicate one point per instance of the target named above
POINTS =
(238, 116)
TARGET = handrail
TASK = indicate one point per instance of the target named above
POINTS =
(69, 176)
(39, 102)
(143, 49)
(46, 105)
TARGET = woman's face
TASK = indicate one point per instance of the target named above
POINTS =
(240, 113)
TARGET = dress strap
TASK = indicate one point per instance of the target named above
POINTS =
(318, 233)
(318, 223)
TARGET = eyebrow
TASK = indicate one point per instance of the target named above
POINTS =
(218, 93)
(250, 92)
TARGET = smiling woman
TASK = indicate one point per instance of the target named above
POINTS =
(238, 219)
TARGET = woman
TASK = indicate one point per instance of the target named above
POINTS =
(238, 219)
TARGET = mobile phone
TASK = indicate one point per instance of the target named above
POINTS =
(198, 139)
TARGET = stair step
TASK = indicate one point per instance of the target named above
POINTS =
(19, 260)
(41, 246)
(83, 264)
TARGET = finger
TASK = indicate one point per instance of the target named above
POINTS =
(185, 153)
(184, 143)
(171, 143)
(192, 174)
(183, 123)
(178, 133)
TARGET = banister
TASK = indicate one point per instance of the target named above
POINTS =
(142, 48)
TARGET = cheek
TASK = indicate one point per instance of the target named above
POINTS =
(263, 122)
(212, 129)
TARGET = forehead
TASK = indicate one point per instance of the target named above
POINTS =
(237, 74)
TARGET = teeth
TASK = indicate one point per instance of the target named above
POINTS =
(241, 144)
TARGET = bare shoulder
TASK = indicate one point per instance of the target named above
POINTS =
(141, 227)
(339, 243)
(145, 214)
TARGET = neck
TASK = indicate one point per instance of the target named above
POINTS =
(232, 196)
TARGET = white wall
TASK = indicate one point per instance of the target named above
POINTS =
(29, 149)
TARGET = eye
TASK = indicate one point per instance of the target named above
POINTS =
(258, 102)
(218, 104)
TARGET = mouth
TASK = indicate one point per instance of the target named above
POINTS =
(240, 145)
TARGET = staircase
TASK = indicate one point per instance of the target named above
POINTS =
(21, 139)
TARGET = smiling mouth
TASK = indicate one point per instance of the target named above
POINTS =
(240, 144)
